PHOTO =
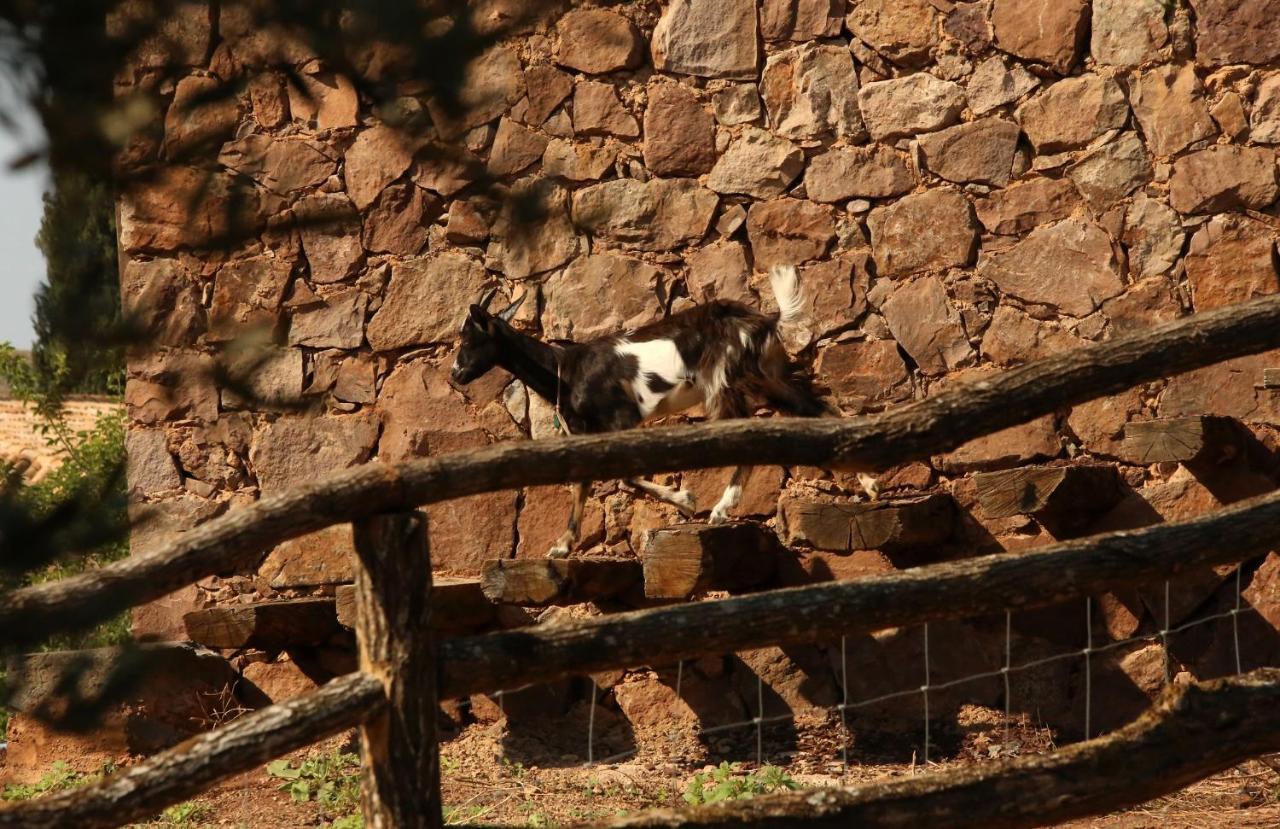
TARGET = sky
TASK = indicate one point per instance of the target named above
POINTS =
(23, 264)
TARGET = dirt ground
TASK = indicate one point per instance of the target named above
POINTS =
(490, 777)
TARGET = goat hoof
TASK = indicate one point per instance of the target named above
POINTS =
(718, 517)
(558, 551)
(684, 501)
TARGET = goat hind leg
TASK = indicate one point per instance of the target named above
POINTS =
(574, 530)
(732, 496)
(681, 499)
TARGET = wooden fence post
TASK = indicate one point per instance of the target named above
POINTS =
(398, 748)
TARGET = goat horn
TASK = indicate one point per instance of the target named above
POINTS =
(487, 298)
(510, 310)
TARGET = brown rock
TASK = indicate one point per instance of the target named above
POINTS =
(1099, 424)
(171, 386)
(161, 38)
(151, 467)
(1027, 205)
(737, 104)
(330, 231)
(203, 114)
(1148, 302)
(720, 271)
(468, 223)
(278, 681)
(597, 41)
(597, 111)
(467, 532)
(1013, 338)
(357, 380)
(836, 291)
(1226, 389)
(293, 451)
(601, 294)
(864, 375)
(1236, 31)
(262, 378)
(526, 248)
(1015, 446)
(163, 301)
(493, 81)
(1169, 103)
(280, 165)
(903, 32)
(267, 96)
(1231, 259)
(970, 24)
(445, 169)
(180, 207)
(152, 527)
(1128, 32)
(993, 85)
(378, 156)
(325, 98)
(247, 294)
(759, 491)
(1229, 113)
(906, 106)
(335, 321)
(933, 230)
(1047, 31)
(1073, 112)
(426, 300)
(788, 232)
(871, 172)
(927, 325)
(576, 161)
(980, 151)
(1069, 266)
(422, 414)
(1153, 235)
(679, 133)
(655, 215)
(709, 38)
(514, 148)
(547, 87)
(800, 19)
(810, 91)
(1223, 178)
(399, 221)
(322, 557)
(544, 516)
(1113, 171)
(757, 164)
(1265, 118)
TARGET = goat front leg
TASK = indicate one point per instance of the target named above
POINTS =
(732, 496)
(574, 530)
(681, 499)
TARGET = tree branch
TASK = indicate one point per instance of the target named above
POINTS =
(141, 791)
(1190, 733)
(823, 612)
(939, 424)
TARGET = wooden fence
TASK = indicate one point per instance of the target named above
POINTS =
(403, 672)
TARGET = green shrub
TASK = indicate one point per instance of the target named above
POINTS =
(331, 780)
(726, 783)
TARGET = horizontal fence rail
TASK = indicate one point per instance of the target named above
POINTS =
(139, 792)
(952, 590)
(938, 424)
(1189, 734)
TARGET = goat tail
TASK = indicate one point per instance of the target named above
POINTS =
(785, 282)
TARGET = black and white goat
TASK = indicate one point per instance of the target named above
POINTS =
(719, 354)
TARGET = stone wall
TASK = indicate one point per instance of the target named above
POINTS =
(965, 186)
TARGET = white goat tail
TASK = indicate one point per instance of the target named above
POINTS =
(785, 282)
